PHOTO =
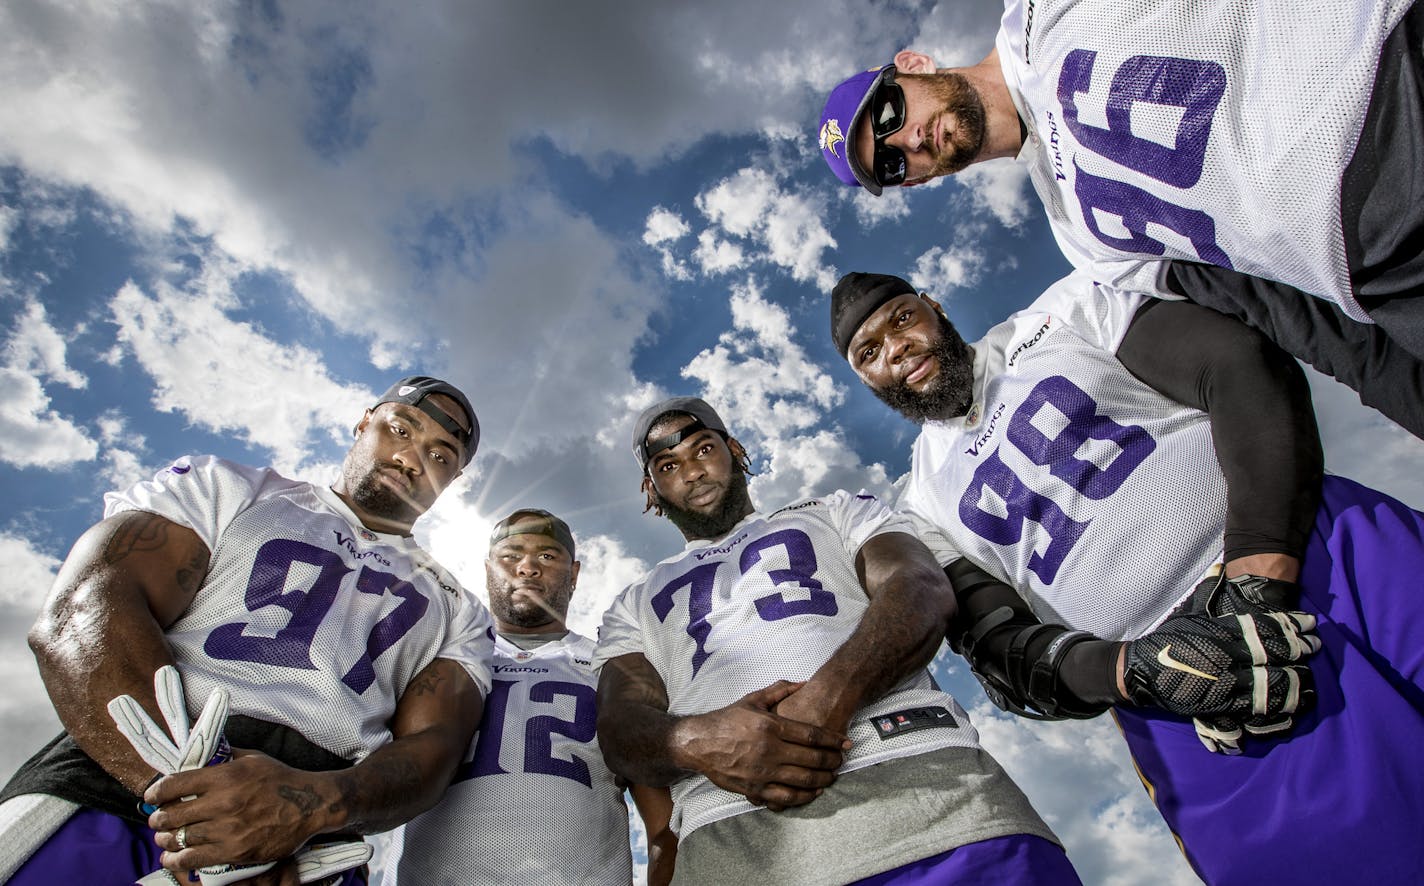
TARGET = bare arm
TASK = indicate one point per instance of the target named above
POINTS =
(911, 604)
(100, 633)
(743, 747)
(257, 809)
(655, 808)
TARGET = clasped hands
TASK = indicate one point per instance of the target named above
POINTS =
(779, 747)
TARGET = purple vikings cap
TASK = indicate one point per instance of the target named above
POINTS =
(838, 120)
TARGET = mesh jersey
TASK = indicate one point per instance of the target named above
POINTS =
(533, 802)
(1096, 497)
(771, 600)
(1213, 132)
(306, 617)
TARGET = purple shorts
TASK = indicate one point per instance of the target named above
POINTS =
(1021, 859)
(1340, 799)
(96, 847)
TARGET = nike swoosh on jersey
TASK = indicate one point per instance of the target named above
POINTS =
(1164, 657)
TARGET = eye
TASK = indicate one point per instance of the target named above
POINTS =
(546, 556)
(903, 317)
(399, 430)
(868, 352)
(666, 466)
(704, 449)
(439, 456)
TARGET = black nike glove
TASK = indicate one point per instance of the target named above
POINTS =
(1226, 670)
(1219, 595)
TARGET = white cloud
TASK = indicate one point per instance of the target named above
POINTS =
(998, 186)
(26, 718)
(664, 226)
(892, 205)
(1081, 780)
(786, 227)
(1363, 445)
(31, 434)
(27, 575)
(941, 271)
(228, 376)
(717, 256)
(773, 396)
(37, 347)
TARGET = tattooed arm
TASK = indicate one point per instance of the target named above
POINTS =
(100, 632)
(256, 809)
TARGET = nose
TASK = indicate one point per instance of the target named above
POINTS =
(896, 348)
(528, 566)
(409, 458)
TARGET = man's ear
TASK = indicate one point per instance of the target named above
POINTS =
(909, 61)
(361, 425)
(573, 574)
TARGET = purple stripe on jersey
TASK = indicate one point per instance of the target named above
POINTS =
(96, 847)
(1341, 799)
(1020, 859)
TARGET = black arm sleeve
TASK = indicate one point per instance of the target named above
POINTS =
(1028, 667)
(1386, 375)
(1262, 421)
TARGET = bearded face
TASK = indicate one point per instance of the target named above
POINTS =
(951, 391)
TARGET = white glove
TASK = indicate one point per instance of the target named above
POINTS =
(201, 745)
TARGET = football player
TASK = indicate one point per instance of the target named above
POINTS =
(778, 663)
(1079, 469)
(1249, 146)
(533, 802)
(354, 666)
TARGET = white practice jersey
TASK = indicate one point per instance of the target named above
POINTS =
(1096, 497)
(771, 600)
(533, 802)
(1207, 131)
(307, 618)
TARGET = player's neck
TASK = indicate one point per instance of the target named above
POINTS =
(1003, 132)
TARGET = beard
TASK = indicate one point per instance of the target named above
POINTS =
(953, 94)
(949, 394)
(735, 504)
(552, 606)
(376, 496)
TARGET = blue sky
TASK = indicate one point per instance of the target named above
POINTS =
(226, 227)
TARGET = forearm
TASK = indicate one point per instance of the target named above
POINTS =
(644, 744)
(100, 633)
(390, 787)
(1262, 422)
(434, 723)
(1035, 668)
(911, 605)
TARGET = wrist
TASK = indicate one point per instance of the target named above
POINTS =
(1094, 671)
(333, 814)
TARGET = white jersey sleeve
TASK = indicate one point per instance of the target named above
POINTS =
(201, 492)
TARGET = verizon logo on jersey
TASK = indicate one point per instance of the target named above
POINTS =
(1028, 31)
(1025, 345)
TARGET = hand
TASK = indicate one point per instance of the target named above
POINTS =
(251, 810)
(813, 704)
(1218, 595)
(769, 759)
(1236, 667)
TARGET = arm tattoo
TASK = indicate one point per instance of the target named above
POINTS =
(140, 533)
(427, 683)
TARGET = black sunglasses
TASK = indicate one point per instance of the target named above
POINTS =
(886, 116)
